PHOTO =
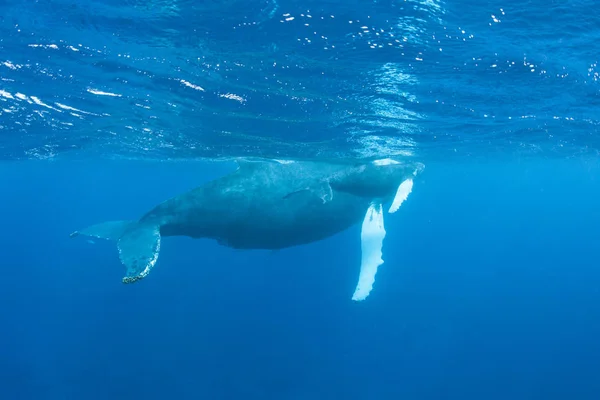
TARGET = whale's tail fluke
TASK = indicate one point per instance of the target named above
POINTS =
(138, 245)
(111, 230)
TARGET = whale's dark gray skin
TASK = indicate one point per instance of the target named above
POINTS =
(269, 204)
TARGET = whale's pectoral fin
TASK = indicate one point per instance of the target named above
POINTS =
(401, 194)
(111, 230)
(372, 235)
(138, 251)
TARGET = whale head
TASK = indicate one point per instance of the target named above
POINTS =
(378, 179)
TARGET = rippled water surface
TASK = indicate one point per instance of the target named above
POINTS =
(186, 79)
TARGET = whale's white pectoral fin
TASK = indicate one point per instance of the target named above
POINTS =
(372, 235)
(401, 194)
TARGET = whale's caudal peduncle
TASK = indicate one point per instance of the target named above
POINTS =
(272, 204)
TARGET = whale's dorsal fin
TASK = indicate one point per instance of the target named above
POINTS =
(322, 190)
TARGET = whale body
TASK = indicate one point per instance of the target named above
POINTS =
(271, 204)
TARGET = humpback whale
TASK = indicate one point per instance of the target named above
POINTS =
(272, 204)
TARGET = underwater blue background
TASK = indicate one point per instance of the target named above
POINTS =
(489, 290)
(490, 286)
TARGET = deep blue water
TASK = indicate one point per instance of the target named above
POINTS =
(490, 286)
(489, 290)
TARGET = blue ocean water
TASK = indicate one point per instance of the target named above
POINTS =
(490, 286)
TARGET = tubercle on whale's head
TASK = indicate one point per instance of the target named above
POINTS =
(417, 167)
(389, 174)
(397, 169)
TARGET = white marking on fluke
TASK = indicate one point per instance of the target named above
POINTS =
(138, 250)
(372, 235)
(401, 194)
